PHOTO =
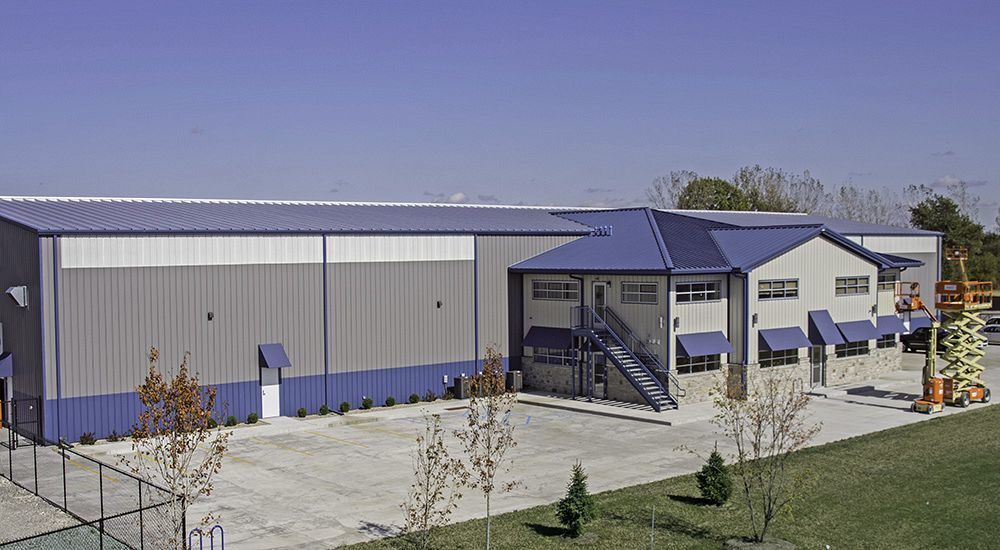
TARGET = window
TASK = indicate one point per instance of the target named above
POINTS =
(703, 363)
(852, 285)
(549, 356)
(768, 358)
(638, 293)
(773, 290)
(887, 341)
(852, 349)
(555, 290)
(699, 292)
(887, 280)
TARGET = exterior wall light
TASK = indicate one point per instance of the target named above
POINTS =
(19, 294)
(755, 319)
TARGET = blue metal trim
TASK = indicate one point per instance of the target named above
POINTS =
(475, 296)
(55, 318)
(670, 326)
(90, 232)
(668, 263)
(41, 330)
(326, 332)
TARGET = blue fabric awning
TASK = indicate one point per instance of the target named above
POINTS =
(702, 343)
(273, 356)
(822, 330)
(549, 337)
(890, 324)
(6, 367)
(858, 331)
(919, 322)
(780, 339)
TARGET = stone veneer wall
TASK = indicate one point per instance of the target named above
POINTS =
(851, 370)
(547, 378)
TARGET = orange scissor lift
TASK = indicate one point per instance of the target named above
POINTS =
(959, 382)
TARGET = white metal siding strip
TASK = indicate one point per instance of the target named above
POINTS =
(164, 251)
(403, 248)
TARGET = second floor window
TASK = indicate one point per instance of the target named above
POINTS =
(555, 290)
(773, 290)
(638, 293)
(887, 281)
(706, 291)
(848, 286)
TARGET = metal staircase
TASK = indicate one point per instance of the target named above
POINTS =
(640, 366)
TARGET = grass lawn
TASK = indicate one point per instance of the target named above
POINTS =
(933, 484)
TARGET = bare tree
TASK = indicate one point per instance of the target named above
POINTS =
(488, 434)
(766, 428)
(666, 190)
(433, 495)
(172, 441)
(868, 205)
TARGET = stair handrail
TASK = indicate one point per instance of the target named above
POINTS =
(579, 311)
(642, 348)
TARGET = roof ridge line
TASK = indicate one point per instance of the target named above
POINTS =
(668, 262)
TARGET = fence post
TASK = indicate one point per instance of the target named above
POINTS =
(141, 526)
(62, 449)
(100, 488)
(34, 463)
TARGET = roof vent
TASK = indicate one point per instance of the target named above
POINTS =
(602, 231)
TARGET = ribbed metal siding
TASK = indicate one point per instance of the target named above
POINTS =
(737, 319)
(699, 316)
(548, 313)
(48, 315)
(110, 317)
(899, 245)
(22, 328)
(385, 314)
(493, 256)
(816, 264)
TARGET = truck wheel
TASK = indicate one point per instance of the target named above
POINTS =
(913, 407)
(964, 400)
(986, 395)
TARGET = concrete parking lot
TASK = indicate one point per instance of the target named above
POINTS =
(326, 481)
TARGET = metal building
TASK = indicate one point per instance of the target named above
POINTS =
(286, 304)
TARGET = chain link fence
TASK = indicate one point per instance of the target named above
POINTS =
(115, 508)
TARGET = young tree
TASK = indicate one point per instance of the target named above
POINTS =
(714, 480)
(766, 428)
(577, 508)
(173, 444)
(488, 435)
(432, 496)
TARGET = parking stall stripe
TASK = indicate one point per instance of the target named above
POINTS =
(362, 445)
(280, 446)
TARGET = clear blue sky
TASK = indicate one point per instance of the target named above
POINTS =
(542, 102)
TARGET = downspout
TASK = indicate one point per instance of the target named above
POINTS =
(326, 332)
(669, 326)
(475, 297)
(55, 318)
(579, 352)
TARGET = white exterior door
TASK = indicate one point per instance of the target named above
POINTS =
(270, 393)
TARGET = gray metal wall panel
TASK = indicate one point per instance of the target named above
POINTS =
(737, 318)
(385, 314)
(48, 316)
(110, 317)
(494, 254)
(22, 327)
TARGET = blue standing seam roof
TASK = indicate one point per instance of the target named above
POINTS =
(822, 330)
(61, 216)
(548, 337)
(890, 324)
(6, 367)
(844, 227)
(273, 356)
(900, 261)
(781, 339)
(858, 331)
(703, 343)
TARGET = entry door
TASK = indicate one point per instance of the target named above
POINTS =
(600, 299)
(270, 393)
(817, 360)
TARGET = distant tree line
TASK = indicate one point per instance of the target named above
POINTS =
(755, 188)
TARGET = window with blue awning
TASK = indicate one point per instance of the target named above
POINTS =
(781, 339)
(6, 366)
(858, 331)
(548, 337)
(699, 344)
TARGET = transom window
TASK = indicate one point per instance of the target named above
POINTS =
(852, 349)
(777, 289)
(887, 280)
(852, 285)
(887, 341)
(550, 356)
(555, 290)
(768, 358)
(638, 293)
(702, 363)
(705, 291)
